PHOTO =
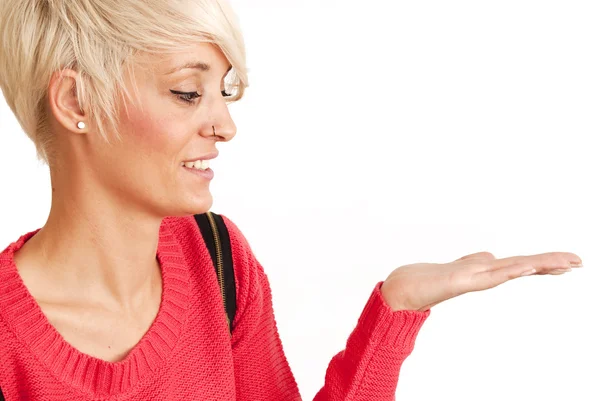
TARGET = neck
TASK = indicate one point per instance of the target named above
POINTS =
(99, 249)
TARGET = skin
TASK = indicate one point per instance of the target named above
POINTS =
(421, 286)
(92, 267)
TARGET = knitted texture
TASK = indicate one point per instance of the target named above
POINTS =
(188, 354)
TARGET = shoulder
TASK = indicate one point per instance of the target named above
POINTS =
(247, 269)
(187, 232)
(239, 242)
(251, 281)
(246, 266)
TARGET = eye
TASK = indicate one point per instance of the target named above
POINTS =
(187, 97)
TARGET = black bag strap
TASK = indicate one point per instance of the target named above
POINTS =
(228, 274)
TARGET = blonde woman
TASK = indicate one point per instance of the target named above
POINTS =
(115, 297)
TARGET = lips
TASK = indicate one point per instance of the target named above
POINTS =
(208, 156)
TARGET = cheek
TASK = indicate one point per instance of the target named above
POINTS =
(153, 135)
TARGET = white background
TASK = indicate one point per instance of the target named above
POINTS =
(377, 134)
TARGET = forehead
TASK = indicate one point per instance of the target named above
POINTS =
(205, 57)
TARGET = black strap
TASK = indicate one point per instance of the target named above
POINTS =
(228, 274)
(1, 395)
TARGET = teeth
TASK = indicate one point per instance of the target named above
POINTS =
(198, 164)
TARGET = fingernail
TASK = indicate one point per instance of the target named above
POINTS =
(563, 270)
(576, 264)
(528, 272)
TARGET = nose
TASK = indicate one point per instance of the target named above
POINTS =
(219, 125)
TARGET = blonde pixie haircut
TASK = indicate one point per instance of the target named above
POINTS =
(100, 39)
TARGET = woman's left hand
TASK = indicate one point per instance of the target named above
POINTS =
(421, 286)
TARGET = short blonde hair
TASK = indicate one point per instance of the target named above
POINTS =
(99, 39)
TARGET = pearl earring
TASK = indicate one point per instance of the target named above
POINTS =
(81, 125)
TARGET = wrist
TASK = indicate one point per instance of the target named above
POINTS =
(395, 302)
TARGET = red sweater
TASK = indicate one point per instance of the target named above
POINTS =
(187, 354)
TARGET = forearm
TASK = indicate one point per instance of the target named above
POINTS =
(369, 367)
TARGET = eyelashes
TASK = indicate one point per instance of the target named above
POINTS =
(190, 97)
(187, 97)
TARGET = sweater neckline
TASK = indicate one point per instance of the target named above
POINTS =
(88, 374)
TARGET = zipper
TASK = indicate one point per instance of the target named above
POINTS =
(219, 253)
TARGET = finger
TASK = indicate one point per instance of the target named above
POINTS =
(478, 255)
(559, 271)
(542, 262)
(492, 278)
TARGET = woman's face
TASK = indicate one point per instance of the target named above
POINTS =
(172, 123)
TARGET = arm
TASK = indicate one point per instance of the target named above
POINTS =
(367, 369)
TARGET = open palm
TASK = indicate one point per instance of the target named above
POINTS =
(421, 286)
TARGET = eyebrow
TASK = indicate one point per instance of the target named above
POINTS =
(198, 65)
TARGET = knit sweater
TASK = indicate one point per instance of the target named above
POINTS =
(188, 353)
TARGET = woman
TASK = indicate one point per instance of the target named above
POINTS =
(115, 296)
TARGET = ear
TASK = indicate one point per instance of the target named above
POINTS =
(62, 98)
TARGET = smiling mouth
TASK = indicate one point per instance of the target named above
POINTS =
(197, 165)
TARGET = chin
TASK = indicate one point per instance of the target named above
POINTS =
(196, 205)
(181, 204)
